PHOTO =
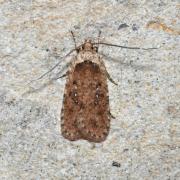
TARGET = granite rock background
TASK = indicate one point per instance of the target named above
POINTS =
(144, 140)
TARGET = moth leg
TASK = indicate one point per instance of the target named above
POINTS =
(71, 65)
(110, 114)
(109, 77)
(64, 75)
(106, 73)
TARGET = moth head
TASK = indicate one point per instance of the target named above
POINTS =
(88, 46)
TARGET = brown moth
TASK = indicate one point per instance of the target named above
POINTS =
(85, 113)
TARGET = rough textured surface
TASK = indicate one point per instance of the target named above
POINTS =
(144, 139)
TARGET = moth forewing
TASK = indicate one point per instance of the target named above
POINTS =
(85, 113)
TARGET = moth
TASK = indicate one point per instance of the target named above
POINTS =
(85, 110)
(85, 113)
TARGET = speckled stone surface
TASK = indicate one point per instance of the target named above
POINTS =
(144, 140)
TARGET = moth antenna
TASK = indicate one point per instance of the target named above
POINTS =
(125, 47)
(99, 35)
(74, 39)
(52, 67)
